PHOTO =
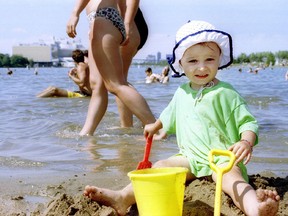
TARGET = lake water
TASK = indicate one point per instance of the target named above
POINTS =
(40, 135)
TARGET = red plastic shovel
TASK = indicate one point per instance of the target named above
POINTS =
(146, 163)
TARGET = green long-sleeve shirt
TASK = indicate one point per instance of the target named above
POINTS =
(214, 119)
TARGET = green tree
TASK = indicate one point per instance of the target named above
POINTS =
(19, 61)
(242, 58)
(270, 59)
(282, 55)
(256, 57)
(1, 57)
(5, 60)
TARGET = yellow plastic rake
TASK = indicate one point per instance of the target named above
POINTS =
(220, 171)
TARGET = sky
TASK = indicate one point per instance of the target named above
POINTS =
(255, 25)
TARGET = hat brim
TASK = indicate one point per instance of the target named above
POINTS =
(222, 39)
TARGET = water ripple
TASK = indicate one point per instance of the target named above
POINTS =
(43, 132)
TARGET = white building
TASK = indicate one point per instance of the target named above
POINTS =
(57, 52)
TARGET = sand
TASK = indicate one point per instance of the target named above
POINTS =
(46, 196)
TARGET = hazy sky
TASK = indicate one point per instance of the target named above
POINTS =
(255, 25)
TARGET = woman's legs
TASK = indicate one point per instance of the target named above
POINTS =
(98, 102)
(128, 52)
(106, 53)
(53, 91)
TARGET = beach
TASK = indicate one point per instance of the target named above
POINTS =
(45, 165)
(64, 196)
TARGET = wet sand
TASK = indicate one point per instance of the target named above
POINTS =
(62, 195)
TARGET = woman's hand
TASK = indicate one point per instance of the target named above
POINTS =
(128, 34)
(72, 73)
(71, 26)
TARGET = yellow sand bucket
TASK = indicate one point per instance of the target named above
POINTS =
(159, 191)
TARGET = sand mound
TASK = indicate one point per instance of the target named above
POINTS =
(198, 200)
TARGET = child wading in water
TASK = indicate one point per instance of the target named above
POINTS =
(205, 114)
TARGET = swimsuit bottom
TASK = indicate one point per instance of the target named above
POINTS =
(76, 94)
(142, 28)
(112, 15)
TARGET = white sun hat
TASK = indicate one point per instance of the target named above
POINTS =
(195, 32)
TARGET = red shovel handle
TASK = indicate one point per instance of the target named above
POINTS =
(148, 148)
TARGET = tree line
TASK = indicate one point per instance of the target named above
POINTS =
(266, 58)
(261, 58)
(14, 61)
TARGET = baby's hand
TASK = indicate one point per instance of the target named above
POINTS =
(242, 150)
(149, 130)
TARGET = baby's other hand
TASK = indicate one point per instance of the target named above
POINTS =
(241, 150)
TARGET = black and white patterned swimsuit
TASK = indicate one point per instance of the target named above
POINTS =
(111, 14)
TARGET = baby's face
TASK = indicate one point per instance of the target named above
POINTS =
(200, 63)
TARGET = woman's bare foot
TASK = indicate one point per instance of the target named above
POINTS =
(268, 202)
(107, 197)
